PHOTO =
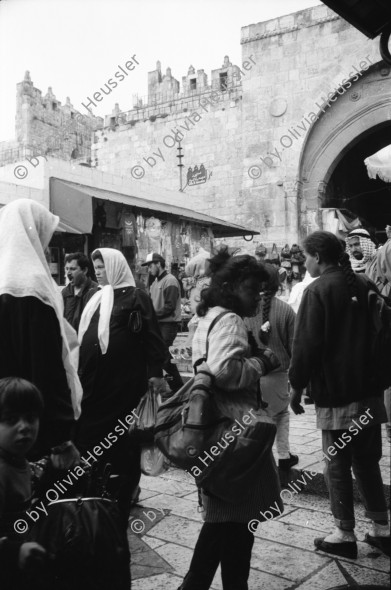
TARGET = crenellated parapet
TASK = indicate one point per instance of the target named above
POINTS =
(167, 97)
(45, 126)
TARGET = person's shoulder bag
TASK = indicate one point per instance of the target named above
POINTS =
(222, 454)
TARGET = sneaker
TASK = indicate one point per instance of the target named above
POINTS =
(286, 464)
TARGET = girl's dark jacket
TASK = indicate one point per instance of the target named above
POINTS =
(331, 344)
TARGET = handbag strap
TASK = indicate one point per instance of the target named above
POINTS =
(212, 325)
(135, 318)
(260, 402)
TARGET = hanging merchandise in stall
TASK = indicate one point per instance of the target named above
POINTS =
(128, 226)
(128, 230)
(176, 241)
(142, 240)
(105, 228)
(166, 241)
(153, 230)
(184, 235)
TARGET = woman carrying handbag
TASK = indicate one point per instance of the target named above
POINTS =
(225, 537)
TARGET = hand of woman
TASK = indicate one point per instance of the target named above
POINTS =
(67, 458)
(295, 399)
(159, 384)
(269, 360)
(31, 556)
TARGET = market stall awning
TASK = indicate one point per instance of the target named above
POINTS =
(379, 164)
(64, 227)
(73, 203)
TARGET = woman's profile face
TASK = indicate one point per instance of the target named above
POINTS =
(100, 272)
(249, 294)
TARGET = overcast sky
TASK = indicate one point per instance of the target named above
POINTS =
(75, 46)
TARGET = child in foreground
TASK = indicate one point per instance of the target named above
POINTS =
(21, 406)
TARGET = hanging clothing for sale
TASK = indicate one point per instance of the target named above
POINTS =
(128, 225)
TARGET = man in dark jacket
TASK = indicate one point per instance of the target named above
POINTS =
(80, 289)
(332, 352)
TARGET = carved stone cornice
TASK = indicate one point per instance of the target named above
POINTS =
(275, 33)
(341, 127)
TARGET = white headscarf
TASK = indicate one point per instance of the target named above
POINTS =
(368, 249)
(119, 275)
(297, 291)
(26, 228)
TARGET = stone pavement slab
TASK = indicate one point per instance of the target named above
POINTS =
(163, 530)
(306, 442)
(283, 555)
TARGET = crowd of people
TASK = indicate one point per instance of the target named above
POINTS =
(74, 363)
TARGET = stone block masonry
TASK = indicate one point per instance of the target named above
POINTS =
(296, 80)
(205, 102)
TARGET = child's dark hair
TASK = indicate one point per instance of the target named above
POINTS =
(331, 251)
(272, 287)
(19, 396)
(226, 271)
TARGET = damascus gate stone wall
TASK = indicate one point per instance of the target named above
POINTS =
(266, 143)
(252, 137)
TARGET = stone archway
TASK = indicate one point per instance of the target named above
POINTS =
(356, 125)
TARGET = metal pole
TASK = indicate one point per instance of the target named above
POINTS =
(180, 165)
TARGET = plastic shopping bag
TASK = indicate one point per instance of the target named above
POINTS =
(144, 424)
(152, 459)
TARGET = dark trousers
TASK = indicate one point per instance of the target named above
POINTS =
(362, 454)
(169, 330)
(228, 544)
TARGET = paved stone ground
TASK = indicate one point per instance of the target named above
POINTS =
(306, 441)
(164, 528)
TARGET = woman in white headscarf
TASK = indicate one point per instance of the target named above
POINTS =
(33, 334)
(121, 348)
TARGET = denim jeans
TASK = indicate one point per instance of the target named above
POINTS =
(169, 330)
(362, 453)
(228, 543)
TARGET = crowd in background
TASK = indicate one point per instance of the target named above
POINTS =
(73, 364)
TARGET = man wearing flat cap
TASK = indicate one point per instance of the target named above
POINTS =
(165, 293)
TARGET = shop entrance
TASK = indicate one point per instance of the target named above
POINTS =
(332, 173)
(350, 188)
